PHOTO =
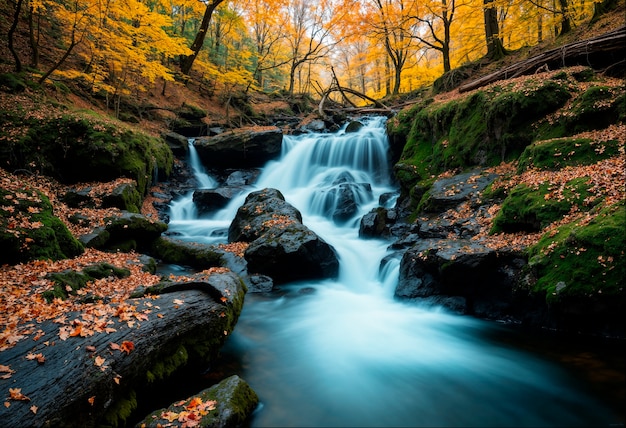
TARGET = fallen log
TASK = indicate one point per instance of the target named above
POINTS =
(96, 380)
(576, 53)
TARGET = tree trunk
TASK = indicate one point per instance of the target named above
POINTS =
(34, 40)
(566, 23)
(16, 18)
(187, 62)
(495, 49)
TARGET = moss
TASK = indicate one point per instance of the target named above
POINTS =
(82, 147)
(69, 282)
(482, 129)
(168, 365)
(29, 230)
(583, 260)
(121, 409)
(199, 256)
(596, 108)
(531, 209)
(562, 152)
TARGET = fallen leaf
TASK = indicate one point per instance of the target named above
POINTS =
(91, 399)
(127, 346)
(99, 361)
(16, 394)
(90, 348)
(33, 409)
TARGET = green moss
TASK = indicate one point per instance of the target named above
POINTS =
(176, 252)
(532, 209)
(583, 260)
(69, 282)
(482, 129)
(562, 152)
(81, 147)
(121, 409)
(29, 230)
(168, 365)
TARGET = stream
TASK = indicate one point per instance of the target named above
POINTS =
(344, 353)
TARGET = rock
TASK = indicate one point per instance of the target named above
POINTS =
(209, 200)
(374, 224)
(340, 197)
(199, 256)
(240, 148)
(242, 177)
(280, 245)
(178, 144)
(188, 326)
(79, 198)
(259, 208)
(447, 193)
(461, 268)
(230, 403)
(29, 230)
(129, 231)
(124, 197)
(354, 126)
(260, 284)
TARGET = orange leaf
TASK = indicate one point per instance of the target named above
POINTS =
(77, 330)
(114, 346)
(195, 402)
(33, 409)
(16, 394)
(127, 346)
(91, 399)
(99, 361)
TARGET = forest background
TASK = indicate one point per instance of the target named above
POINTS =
(137, 48)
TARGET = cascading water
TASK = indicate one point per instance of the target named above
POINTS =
(346, 353)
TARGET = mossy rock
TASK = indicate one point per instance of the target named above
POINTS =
(482, 129)
(561, 152)
(583, 260)
(531, 209)
(190, 112)
(186, 253)
(30, 231)
(596, 108)
(82, 147)
(68, 282)
(230, 403)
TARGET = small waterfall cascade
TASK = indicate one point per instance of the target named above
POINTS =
(345, 353)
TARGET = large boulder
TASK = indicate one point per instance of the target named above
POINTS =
(461, 274)
(210, 200)
(449, 192)
(280, 245)
(240, 148)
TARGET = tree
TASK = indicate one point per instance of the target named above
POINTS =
(187, 61)
(390, 24)
(309, 36)
(495, 48)
(16, 20)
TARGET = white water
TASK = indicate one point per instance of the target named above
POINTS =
(347, 354)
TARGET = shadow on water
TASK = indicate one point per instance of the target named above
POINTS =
(344, 353)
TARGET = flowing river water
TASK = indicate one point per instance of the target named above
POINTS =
(344, 353)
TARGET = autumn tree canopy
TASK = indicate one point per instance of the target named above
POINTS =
(377, 47)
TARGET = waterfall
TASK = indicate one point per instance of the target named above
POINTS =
(345, 353)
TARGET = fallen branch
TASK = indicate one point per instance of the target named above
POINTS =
(614, 41)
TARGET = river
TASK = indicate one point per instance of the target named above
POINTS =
(344, 353)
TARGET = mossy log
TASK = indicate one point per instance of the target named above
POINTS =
(84, 381)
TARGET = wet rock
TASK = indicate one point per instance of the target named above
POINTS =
(209, 200)
(280, 245)
(461, 268)
(240, 148)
